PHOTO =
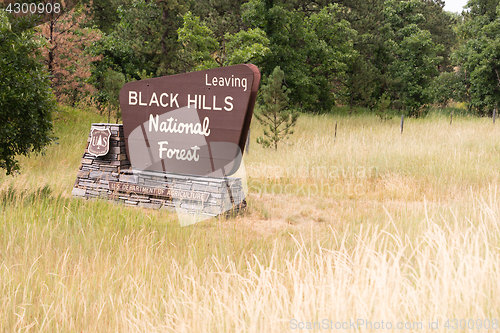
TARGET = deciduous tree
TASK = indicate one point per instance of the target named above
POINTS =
(313, 48)
(202, 50)
(26, 99)
(149, 29)
(478, 58)
(414, 59)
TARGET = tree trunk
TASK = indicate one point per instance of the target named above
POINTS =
(51, 49)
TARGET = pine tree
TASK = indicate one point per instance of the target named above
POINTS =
(274, 113)
(113, 83)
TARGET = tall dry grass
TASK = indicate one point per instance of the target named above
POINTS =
(419, 241)
(371, 159)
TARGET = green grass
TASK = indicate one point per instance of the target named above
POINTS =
(371, 224)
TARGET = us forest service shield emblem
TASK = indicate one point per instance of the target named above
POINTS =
(99, 141)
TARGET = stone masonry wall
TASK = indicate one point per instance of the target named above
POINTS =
(97, 175)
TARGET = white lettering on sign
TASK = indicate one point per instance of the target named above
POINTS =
(154, 99)
(165, 99)
(228, 103)
(173, 99)
(132, 97)
(140, 99)
(232, 82)
(201, 102)
(180, 154)
(171, 126)
(161, 99)
(214, 104)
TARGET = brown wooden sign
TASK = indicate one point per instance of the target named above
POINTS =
(194, 123)
(157, 191)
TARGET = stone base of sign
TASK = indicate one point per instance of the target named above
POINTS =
(111, 177)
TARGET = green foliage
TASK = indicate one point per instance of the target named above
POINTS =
(312, 48)
(103, 14)
(113, 83)
(203, 51)
(440, 24)
(378, 23)
(382, 107)
(365, 81)
(26, 99)
(118, 55)
(274, 113)
(356, 53)
(246, 46)
(221, 17)
(479, 55)
(200, 46)
(149, 29)
(449, 86)
(413, 56)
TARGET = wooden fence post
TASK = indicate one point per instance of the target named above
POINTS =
(402, 122)
(494, 115)
(451, 117)
(247, 144)
(335, 138)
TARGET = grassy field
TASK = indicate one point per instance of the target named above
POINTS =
(353, 232)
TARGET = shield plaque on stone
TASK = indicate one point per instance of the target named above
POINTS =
(99, 141)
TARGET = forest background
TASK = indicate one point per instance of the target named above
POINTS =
(387, 56)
